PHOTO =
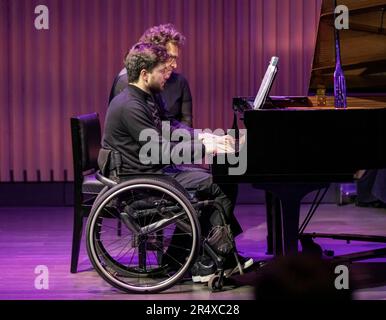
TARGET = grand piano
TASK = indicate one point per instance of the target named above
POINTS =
(296, 145)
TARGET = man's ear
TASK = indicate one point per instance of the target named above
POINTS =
(144, 75)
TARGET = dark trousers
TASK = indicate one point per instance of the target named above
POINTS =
(200, 179)
(372, 186)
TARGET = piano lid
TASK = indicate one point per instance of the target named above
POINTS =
(363, 48)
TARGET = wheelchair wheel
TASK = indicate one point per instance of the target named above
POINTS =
(216, 283)
(159, 236)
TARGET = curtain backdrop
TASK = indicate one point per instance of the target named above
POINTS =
(47, 76)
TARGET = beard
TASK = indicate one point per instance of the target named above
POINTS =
(155, 87)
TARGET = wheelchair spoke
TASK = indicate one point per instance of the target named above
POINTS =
(108, 211)
(149, 262)
(117, 247)
(157, 208)
(178, 247)
(132, 257)
(116, 240)
(108, 253)
(119, 256)
(170, 256)
(182, 234)
(109, 227)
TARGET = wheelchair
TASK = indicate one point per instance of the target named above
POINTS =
(136, 229)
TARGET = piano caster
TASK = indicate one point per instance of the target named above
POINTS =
(309, 247)
(329, 253)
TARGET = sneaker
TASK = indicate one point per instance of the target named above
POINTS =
(203, 270)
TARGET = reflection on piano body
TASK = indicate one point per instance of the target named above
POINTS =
(294, 146)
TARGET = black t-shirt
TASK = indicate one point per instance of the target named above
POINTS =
(176, 95)
(129, 114)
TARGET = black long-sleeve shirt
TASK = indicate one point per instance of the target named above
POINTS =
(176, 95)
(130, 113)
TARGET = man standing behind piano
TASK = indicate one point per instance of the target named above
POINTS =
(136, 109)
(176, 93)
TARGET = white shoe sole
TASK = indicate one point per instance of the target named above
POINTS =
(202, 279)
(229, 272)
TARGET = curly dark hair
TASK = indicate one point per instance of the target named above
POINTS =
(143, 56)
(163, 34)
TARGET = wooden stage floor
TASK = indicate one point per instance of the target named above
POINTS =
(31, 237)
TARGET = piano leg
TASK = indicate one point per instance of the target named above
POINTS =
(277, 238)
(269, 217)
(285, 221)
(290, 209)
(273, 216)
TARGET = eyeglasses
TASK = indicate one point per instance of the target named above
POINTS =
(172, 59)
(165, 70)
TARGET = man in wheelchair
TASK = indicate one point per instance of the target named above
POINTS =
(135, 111)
